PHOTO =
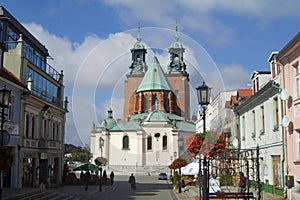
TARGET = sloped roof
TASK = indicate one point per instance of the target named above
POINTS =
(158, 116)
(245, 92)
(186, 126)
(126, 126)
(5, 73)
(154, 79)
(161, 116)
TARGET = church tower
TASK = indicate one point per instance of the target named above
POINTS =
(137, 69)
(138, 53)
(176, 65)
(177, 100)
(179, 78)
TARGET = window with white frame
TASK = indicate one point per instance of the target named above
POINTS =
(297, 141)
(149, 143)
(276, 114)
(165, 142)
(125, 142)
(297, 80)
(243, 128)
(254, 122)
(262, 119)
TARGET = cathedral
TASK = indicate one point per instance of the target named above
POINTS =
(156, 116)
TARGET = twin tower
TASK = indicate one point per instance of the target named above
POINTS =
(148, 88)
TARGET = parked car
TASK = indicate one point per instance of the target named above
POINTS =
(162, 176)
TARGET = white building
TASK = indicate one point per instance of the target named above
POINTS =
(156, 116)
(259, 125)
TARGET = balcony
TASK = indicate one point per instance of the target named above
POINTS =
(49, 144)
(31, 143)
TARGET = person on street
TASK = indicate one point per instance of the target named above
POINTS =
(87, 177)
(242, 183)
(132, 182)
(112, 176)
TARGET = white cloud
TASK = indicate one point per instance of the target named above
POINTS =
(235, 76)
(95, 72)
(201, 17)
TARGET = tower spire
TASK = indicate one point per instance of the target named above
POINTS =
(176, 35)
(139, 32)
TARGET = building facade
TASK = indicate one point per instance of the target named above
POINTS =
(156, 116)
(42, 105)
(260, 117)
(11, 124)
(288, 60)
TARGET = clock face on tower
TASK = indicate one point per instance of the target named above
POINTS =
(137, 68)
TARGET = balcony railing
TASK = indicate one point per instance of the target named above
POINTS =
(31, 143)
(49, 144)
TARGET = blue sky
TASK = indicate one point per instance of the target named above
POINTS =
(90, 40)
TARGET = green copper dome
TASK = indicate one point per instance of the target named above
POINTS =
(154, 79)
(110, 123)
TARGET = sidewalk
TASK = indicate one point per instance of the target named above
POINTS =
(190, 192)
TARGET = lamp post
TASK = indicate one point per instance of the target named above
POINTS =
(171, 159)
(99, 163)
(180, 143)
(4, 103)
(100, 179)
(203, 94)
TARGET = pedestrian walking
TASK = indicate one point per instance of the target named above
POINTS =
(112, 176)
(242, 183)
(87, 177)
(132, 182)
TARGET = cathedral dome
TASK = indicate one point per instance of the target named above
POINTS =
(109, 122)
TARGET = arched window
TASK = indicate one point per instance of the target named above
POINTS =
(149, 143)
(146, 103)
(125, 142)
(164, 142)
(155, 102)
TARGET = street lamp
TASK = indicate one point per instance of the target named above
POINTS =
(99, 162)
(180, 143)
(203, 94)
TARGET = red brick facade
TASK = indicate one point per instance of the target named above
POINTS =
(177, 102)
